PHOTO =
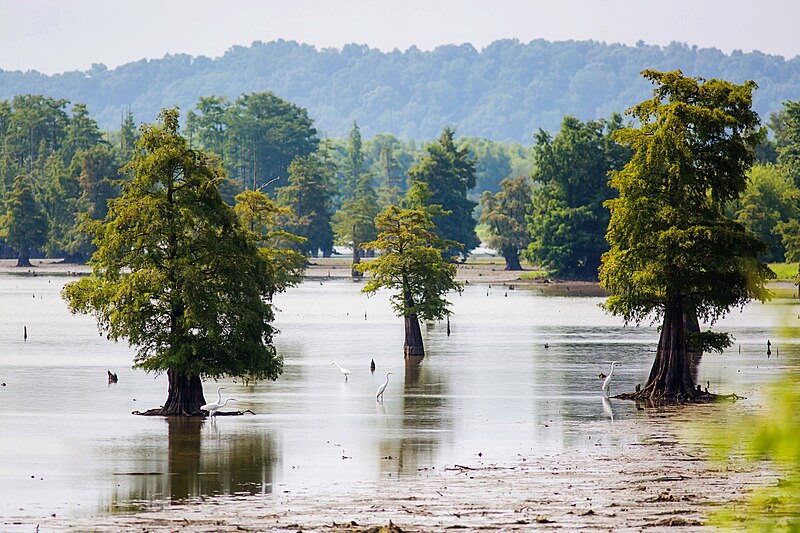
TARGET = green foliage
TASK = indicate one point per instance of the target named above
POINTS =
(411, 263)
(449, 173)
(784, 271)
(786, 126)
(770, 437)
(24, 225)
(669, 237)
(36, 128)
(308, 196)
(128, 135)
(261, 217)
(568, 220)
(354, 222)
(504, 213)
(770, 200)
(49, 145)
(492, 162)
(175, 274)
(82, 132)
(257, 136)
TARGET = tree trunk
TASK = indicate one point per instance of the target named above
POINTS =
(693, 326)
(512, 261)
(24, 258)
(670, 378)
(356, 260)
(413, 341)
(185, 395)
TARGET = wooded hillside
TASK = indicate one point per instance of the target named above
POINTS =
(505, 92)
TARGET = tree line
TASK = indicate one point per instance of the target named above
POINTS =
(544, 202)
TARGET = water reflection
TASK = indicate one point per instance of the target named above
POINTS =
(607, 409)
(423, 423)
(201, 460)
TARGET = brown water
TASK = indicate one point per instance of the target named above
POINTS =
(68, 443)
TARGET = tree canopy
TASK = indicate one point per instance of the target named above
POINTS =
(449, 173)
(258, 136)
(568, 220)
(503, 91)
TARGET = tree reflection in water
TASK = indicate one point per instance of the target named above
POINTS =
(218, 461)
(424, 421)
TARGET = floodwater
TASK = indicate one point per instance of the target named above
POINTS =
(517, 376)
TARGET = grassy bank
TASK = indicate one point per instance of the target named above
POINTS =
(784, 271)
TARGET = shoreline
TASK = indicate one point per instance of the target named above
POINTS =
(482, 270)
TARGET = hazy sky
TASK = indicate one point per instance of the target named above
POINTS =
(60, 35)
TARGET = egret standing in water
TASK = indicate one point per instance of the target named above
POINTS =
(379, 394)
(607, 382)
(342, 370)
(213, 407)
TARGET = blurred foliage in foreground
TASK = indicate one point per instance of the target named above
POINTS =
(768, 439)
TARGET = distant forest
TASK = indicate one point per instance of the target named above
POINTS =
(505, 92)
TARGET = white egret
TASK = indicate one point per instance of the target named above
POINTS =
(379, 394)
(342, 370)
(214, 406)
(607, 381)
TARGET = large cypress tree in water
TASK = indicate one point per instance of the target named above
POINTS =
(177, 275)
(673, 252)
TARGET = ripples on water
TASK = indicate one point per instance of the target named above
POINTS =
(68, 442)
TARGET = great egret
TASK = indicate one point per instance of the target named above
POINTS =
(607, 381)
(342, 370)
(379, 394)
(213, 407)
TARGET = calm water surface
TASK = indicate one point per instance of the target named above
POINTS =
(68, 443)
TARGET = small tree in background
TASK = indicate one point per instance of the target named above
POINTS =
(24, 226)
(505, 213)
(411, 263)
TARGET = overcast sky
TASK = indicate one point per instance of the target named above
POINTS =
(59, 35)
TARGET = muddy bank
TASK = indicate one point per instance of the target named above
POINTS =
(657, 479)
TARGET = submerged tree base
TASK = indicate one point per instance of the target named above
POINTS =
(160, 412)
(651, 400)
